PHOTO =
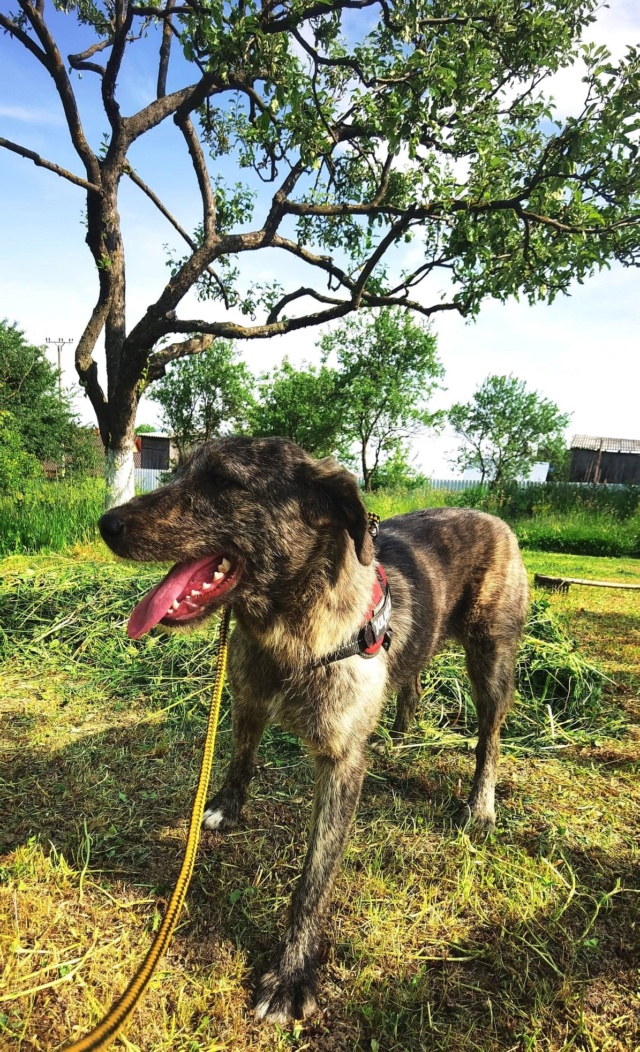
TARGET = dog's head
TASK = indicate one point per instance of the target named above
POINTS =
(252, 517)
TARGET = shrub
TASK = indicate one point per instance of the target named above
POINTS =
(16, 466)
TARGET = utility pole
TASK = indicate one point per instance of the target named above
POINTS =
(60, 342)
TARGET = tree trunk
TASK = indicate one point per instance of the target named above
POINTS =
(119, 466)
(119, 471)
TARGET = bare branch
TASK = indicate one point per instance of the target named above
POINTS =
(235, 331)
(24, 39)
(135, 178)
(124, 19)
(49, 165)
(202, 175)
(165, 52)
(158, 362)
(56, 68)
(299, 294)
(76, 61)
(185, 100)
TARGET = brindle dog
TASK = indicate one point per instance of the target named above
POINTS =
(257, 523)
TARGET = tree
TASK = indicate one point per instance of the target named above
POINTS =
(301, 404)
(204, 396)
(40, 415)
(360, 125)
(387, 370)
(506, 428)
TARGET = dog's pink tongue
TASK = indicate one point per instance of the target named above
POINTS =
(155, 604)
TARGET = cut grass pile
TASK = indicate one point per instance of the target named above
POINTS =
(526, 941)
(559, 695)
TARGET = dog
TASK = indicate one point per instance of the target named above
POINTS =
(329, 623)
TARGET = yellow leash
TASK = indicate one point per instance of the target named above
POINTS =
(115, 1019)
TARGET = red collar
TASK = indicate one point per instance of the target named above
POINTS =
(374, 633)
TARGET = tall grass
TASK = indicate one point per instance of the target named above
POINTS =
(50, 516)
(577, 520)
(586, 520)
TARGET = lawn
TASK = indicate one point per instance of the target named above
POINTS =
(527, 941)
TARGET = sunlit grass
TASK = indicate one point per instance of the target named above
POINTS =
(527, 941)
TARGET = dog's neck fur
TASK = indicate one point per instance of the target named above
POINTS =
(330, 603)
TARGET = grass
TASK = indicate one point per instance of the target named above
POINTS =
(590, 526)
(50, 515)
(527, 941)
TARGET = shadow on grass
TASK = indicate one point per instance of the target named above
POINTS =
(462, 976)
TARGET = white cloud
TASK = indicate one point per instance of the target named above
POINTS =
(31, 114)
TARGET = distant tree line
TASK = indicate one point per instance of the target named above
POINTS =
(364, 403)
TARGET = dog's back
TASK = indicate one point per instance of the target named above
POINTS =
(454, 573)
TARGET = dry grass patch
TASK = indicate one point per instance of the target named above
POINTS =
(527, 941)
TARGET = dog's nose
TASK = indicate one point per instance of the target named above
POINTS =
(110, 525)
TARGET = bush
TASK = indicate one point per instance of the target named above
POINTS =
(16, 466)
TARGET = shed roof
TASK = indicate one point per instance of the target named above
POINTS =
(607, 445)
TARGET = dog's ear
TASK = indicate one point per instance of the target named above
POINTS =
(337, 502)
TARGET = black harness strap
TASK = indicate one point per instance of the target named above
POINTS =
(375, 634)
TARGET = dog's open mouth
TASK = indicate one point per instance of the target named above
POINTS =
(187, 592)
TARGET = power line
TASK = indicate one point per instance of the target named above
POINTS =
(60, 342)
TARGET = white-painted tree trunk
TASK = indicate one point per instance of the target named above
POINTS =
(120, 477)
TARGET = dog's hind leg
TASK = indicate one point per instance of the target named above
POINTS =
(223, 810)
(406, 706)
(491, 670)
(288, 989)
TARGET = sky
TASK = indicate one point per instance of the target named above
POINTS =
(583, 351)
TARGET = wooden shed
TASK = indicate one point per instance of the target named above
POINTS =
(612, 460)
(155, 451)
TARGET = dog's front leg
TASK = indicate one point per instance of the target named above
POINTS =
(223, 810)
(289, 988)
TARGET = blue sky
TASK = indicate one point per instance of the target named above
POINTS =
(583, 351)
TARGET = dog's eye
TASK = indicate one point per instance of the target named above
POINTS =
(221, 481)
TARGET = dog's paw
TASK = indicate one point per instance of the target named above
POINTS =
(220, 815)
(280, 998)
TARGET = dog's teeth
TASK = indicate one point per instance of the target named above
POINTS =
(194, 591)
(206, 585)
(175, 604)
(224, 565)
(218, 575)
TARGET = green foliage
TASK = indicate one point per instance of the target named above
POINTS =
(484, 65)
(581, 533)
(42, 417)
(301, 404)
(205, 395)
(397, 472)
(388, 368)
(505, 429)
(16, 465)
